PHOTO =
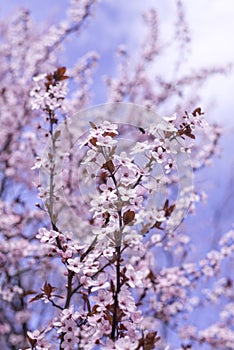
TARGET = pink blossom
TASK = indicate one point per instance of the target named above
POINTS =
(105, 141)
(102, 299)
(35, 334)
(101, 282)
(126, 301)
(90, 266)
(74, 265)
(69, 341)
(159, 155)
(127, 174)
(125, 344)
(134, 277)
(127, 193)
(46, 236)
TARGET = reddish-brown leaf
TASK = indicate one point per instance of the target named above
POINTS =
(109, 165)
(48, 289)
(168, 209)
(108, 133)
(37, 297)
(128, 216)
(157, 225)
(59, 74)
(32, 342)
(93, 141)
(93, 125)
(197, 111)
(106, 216)
(150, 340)
(29, 292)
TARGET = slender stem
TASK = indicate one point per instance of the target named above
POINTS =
(52, 161)
(118, 240)
(55, 305)
(68, 299)
(69, 288)
(116, 302)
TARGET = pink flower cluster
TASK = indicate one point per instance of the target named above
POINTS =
(101, 261)
(50, 98)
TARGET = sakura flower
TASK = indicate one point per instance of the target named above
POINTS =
(127, 174)
(100, 283)
(101, 135)
(159, 155)
(124, 160)
(134, 277)
(107, 127)
(50, 103)
(44, 344)
(136, 316)
(136, 203)
(132, 238)
(127, 193)
(90, 266)
(103, 299)
(110, 345)
(35, 334)
(108, 196)
(160, 216)
(126, 344)
(164, 126)
(131, 330)
(47, 99)
(105, 141)
(140, 147)
(39, 77)
(46, 236)
(65, 255)
(69, 313)
(103, 232)
(68, 325)
(108, 186)
(74, 265)
(116, 197)
(169, 166)
(108, 252)
(86, 281)
(38, 163)
(38, 100)
(90, 156)
(69, 341)
(97, 204)
(170, 118)
(95, 320)
(59, 91)
(126, 301)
